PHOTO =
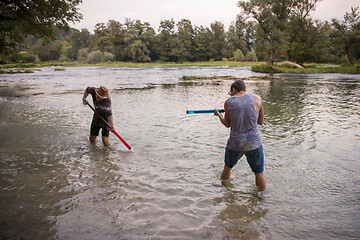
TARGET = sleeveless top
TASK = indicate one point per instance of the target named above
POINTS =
(244, 133)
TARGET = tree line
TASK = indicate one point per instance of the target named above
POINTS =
(267, 30)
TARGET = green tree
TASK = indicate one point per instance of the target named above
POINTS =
(272, 17)
(29, 57)
(249, 34)
(116, 33)
(202, 39)
(83, 55)
(251, 56)
(138, 38)
(79, 40)
(147, 36)
(95, 57)
(183, 48)
(101, 39)
(67, 52)
(321, 51)
(47, 51)
(217, 45)
(298, 29)
(347, 32)
(239, 56)
(236, 36)
(166, 40)
(108, 57)
(311, 43)
(139, 51)
(22, 18)
(261, 45)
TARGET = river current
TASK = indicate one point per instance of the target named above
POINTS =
(55, 185)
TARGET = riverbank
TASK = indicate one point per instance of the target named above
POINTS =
(308, 68)
(192, 78)
(255, 66)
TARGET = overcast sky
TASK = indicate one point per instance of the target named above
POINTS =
(199, 12)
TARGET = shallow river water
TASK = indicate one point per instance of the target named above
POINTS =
(55, 185)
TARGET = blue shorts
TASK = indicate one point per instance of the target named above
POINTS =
(255, 158)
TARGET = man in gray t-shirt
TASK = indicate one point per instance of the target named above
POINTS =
(243, 113)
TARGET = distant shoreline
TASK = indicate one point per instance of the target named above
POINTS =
(255, 66)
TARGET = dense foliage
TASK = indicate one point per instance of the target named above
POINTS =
(268, 30)
(22, 18)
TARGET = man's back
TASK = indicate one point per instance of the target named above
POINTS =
(243, 116)
(244, 135)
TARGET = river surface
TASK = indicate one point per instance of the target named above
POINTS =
(55, 185)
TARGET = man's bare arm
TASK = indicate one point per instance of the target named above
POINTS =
(225, 120)
(85, 96)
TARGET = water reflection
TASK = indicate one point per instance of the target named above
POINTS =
(243, 208)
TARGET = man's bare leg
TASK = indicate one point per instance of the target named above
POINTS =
(260, 180)
(92, 139)
(105, 141)
(225, 173)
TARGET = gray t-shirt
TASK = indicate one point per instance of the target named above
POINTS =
(244, 133)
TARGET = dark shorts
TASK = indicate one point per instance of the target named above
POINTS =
(255, 158)
(95, 128)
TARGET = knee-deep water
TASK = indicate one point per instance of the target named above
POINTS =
(55, 185)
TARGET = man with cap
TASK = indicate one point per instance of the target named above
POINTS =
(102, 104)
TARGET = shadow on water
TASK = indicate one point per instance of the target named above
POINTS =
(19, 90)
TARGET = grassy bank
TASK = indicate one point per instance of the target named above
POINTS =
(194, 78)
(2, 71)
(308, 68)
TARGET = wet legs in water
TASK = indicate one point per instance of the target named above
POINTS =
(105, 140)
(260, 180)
(259, 177)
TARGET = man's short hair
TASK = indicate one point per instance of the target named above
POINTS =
(239, 85)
